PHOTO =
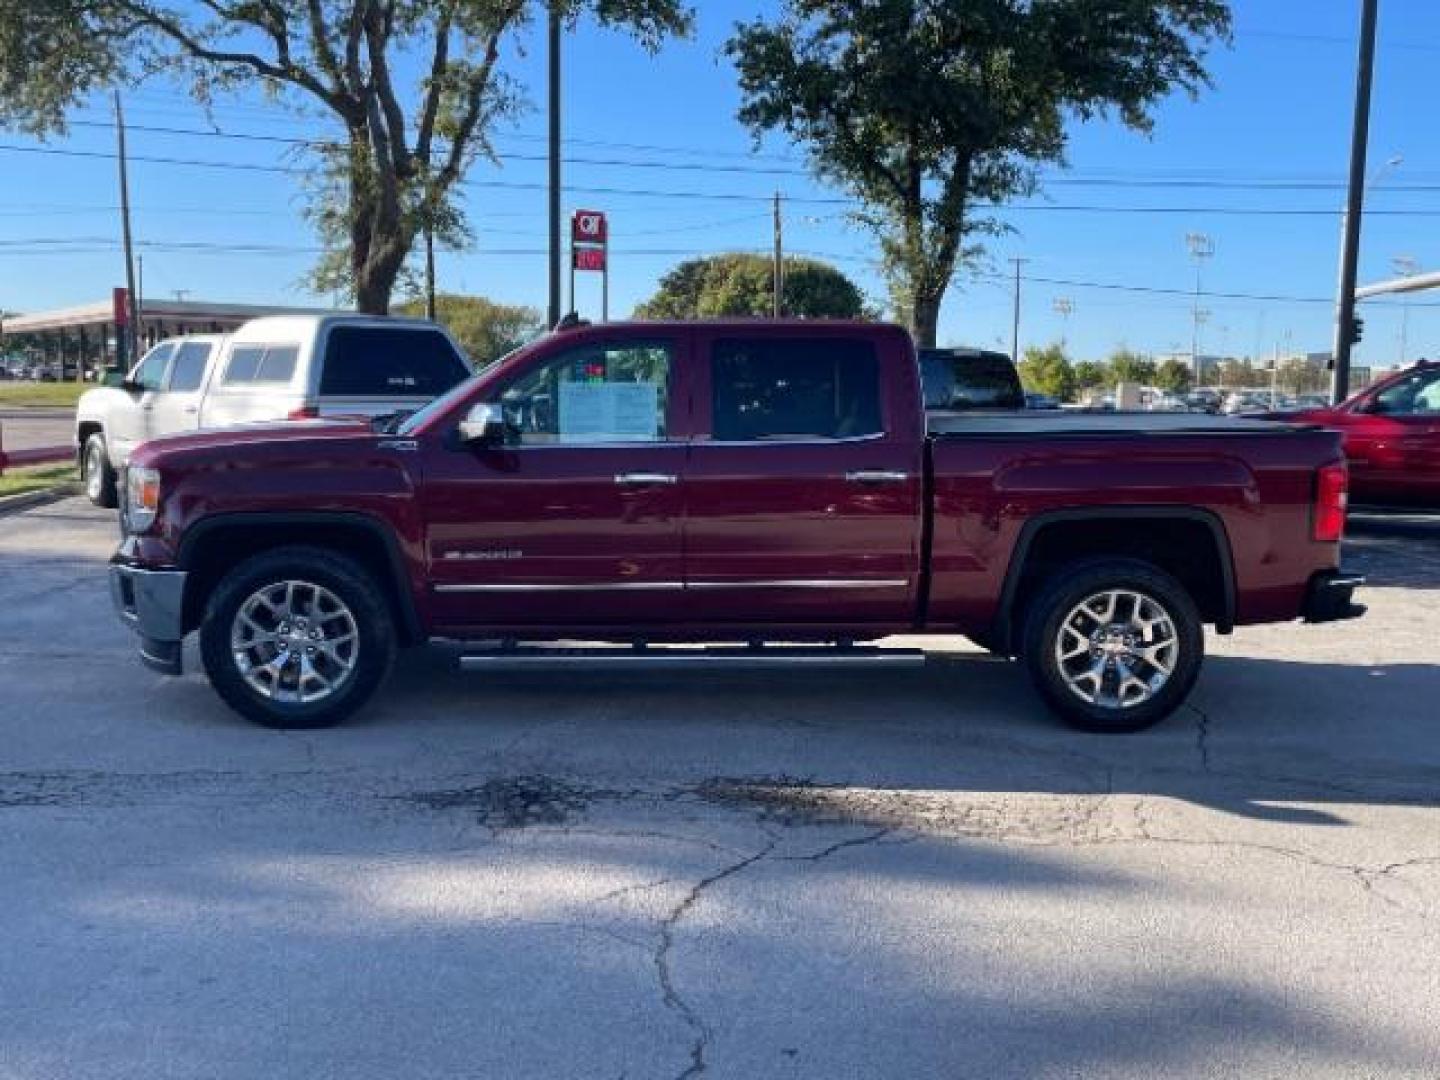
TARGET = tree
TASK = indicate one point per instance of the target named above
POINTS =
(1131, 367)
(741, 284)
(1048, 371)
(406, 145)
(925, 108)
(1173, 375)
(485, 330)
(1090, 375)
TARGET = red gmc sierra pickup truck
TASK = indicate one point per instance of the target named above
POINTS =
(654, 485)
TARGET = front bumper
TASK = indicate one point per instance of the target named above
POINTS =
(1330, 597)
(152, 603)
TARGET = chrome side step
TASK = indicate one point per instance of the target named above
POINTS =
(661, 657)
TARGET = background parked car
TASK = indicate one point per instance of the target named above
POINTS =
(269, 369)
(1391, 436)
(961, 379)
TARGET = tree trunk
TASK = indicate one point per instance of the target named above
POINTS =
(376, 261)
(924, 319)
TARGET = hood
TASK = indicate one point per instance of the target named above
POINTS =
(234, 442)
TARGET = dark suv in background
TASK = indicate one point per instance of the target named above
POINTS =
(960, 379)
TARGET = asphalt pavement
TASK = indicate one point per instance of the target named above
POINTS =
(792, 874)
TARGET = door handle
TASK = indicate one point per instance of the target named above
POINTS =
(192, 410)
(638, 479)
(877, 476)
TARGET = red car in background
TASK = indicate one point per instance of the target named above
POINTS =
(1391, 436)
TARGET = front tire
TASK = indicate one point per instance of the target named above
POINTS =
(1113, 645)
(297, 638)
(98, 474)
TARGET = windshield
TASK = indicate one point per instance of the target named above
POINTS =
(421, 416)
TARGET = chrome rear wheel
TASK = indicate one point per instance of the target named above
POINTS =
(1117, 648)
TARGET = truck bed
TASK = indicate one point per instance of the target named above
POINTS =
(1039, 424)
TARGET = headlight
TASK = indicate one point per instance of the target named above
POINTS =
(142, 497)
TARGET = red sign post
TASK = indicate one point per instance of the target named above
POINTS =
(589, 248)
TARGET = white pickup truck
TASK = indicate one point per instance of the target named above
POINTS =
(294, 367)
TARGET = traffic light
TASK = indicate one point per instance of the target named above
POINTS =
(1357, 330)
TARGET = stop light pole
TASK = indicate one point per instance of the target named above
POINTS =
(1345, 323)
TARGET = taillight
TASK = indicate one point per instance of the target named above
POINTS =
(305, 412)
(1332, 495)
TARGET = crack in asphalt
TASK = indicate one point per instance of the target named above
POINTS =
(671, 997)
(1202, 735)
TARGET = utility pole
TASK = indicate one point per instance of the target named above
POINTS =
(778, 274)
(1201, 247)
(1015, 324)
(555, 246)
(131, 336)
(429, 273)
(1355, 203)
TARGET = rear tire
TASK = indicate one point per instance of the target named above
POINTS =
(1113, 645)
(297, 638)
(98, 474)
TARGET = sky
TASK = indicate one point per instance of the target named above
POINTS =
(1257, 164)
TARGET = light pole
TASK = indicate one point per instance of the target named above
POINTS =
(1201, 247)
(1405, 266)
(1064, 307)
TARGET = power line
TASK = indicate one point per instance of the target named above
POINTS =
(1069, 178)
(734, 196)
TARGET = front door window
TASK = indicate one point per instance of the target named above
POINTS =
(593, 394)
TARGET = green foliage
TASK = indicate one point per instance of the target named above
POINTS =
(485, 330)
(924, 108)
(741, 284)
(1131, 367)
(1047, 371)
(407, 138)
(1091, 376)
(1174, 375)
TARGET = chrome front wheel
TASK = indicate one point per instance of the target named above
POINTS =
(295, 642)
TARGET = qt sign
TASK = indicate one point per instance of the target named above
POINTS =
(588, 227)
(589, 240)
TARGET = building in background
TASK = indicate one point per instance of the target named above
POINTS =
(78, 342)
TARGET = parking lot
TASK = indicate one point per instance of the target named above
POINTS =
(798, 874)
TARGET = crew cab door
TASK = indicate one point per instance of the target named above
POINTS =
(128, 423)
(805, 476)
(1392, 440)
(576, 518)
(176, 406)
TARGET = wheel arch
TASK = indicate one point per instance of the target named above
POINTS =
(1189, 543)
(212, 544)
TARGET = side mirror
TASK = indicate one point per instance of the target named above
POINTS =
(483, 425)
(113, 378)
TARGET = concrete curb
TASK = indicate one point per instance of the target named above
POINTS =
(12, 504)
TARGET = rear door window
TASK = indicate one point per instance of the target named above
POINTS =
(794, 388)
(187, 371)
(377, 361)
